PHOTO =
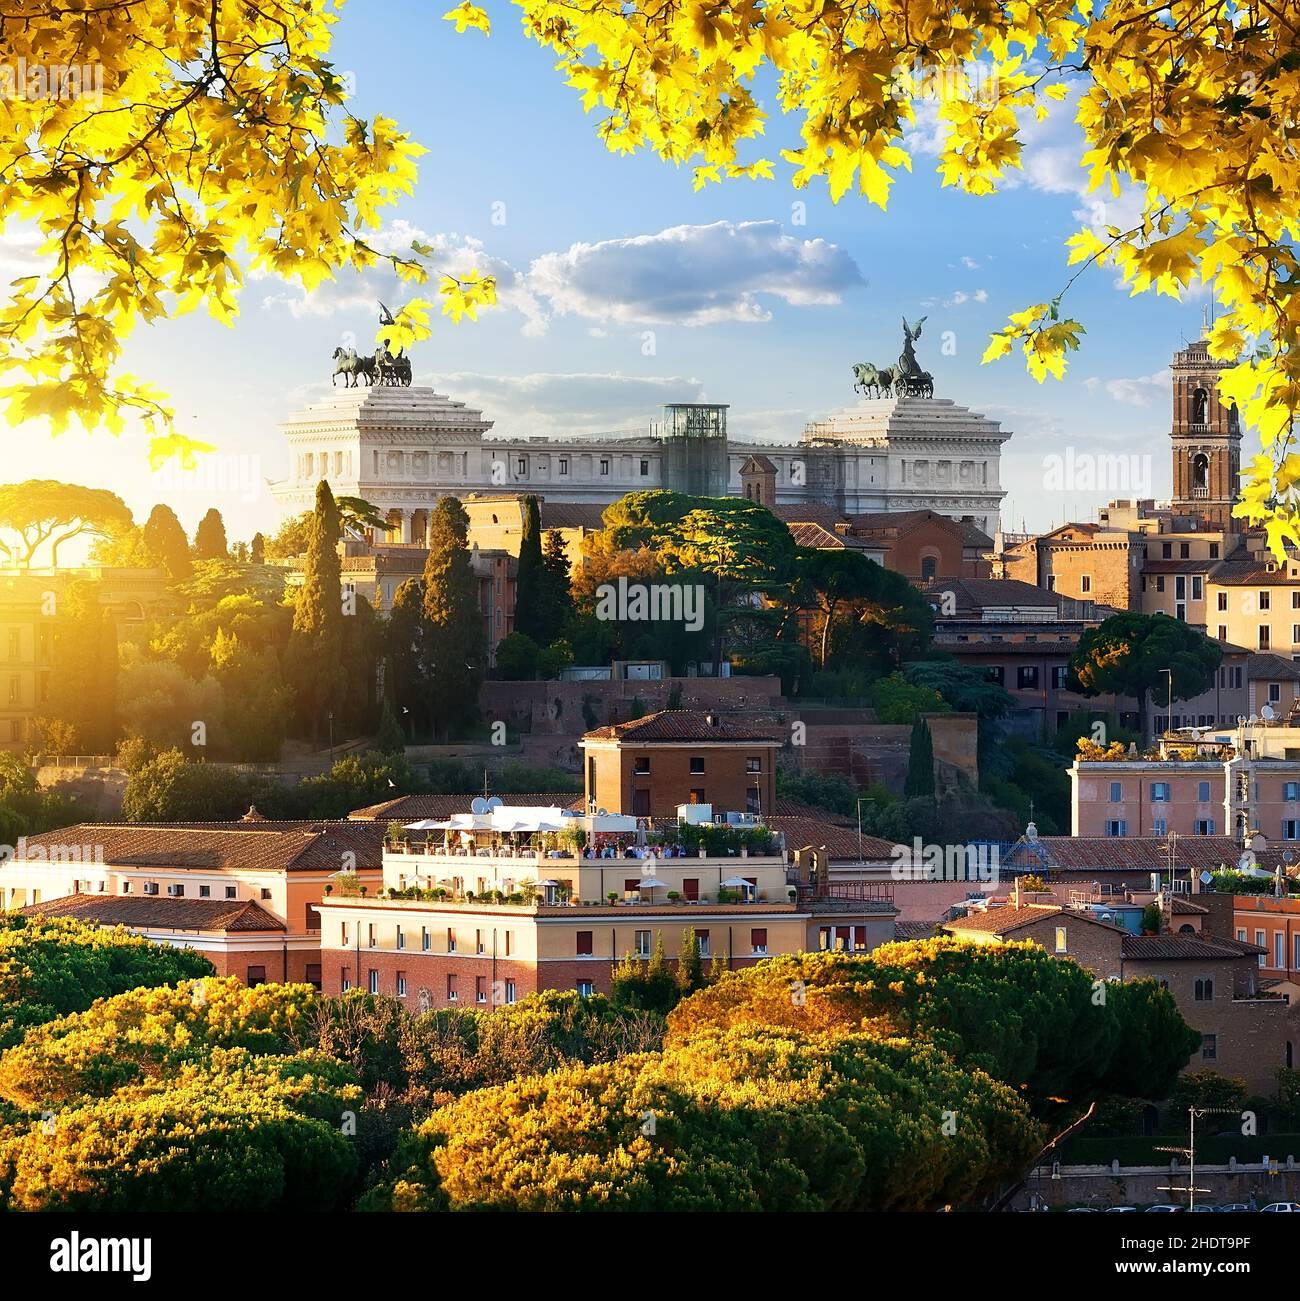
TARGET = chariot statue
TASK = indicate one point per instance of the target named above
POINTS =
(383, 367)
(905, 379)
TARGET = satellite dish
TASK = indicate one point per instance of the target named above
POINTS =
(1196, 734)
(494, 802)
(603, 813)
(1253, 719)
(1246, 861)
(1206, 878)
(1267, 713)
(478, 805)
(1241, 718)
(1287, 856)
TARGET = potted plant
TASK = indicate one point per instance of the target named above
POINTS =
(674, 896)
(612, 896)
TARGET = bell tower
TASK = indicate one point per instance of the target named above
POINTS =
(1206, 440)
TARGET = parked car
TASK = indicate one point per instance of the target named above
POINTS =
(1281, 1206)
(1164, 1206)
(1121, 1208)
(1204, 1207)
(1234, 1206)
(1089, 1210)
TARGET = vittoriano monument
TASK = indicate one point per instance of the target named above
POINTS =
(906, 379)
(384, 367)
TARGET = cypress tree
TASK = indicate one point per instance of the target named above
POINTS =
(315, 651)
(690, 967)
(257, 551)
(210, 537)
(557, 598)
(457, 649)
(920, 762)
(529, 587)
(166, 543)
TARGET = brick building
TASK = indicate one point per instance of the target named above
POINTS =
(651, 765)
(1214, 979)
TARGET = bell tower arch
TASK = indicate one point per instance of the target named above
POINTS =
(1205, 439)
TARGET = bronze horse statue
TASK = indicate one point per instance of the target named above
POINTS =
(349, 365)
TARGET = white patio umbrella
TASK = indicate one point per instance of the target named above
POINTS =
(738, 883)
(652, 883)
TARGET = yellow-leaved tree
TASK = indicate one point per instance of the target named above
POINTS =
(223, 128)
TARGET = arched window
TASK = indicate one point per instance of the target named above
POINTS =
(1200, 407)
(929, 566)
(1200, 470)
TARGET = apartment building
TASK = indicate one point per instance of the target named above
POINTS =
(245, 894)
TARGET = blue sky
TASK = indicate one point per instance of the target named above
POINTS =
(593, 250)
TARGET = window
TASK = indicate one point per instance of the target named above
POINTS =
(15, 690)
(994, 673)
(126, 887)
(424, 939)
(151, 887)
(256, 976)
(175, 890)
(697, 795)
(1214, 551)
(1085, 582)
(582, 944)
(521, 466)
(401, 984)
(1264, 600)
(702, 939)
(1263, 636)
(1295, 949)
(1159, 826)
(452, 995)
(758, 940)
(1116, 827)
(1279, 949)
(1160, 792)
(401, 939)
(1160, 583)
(1223, 632)
(1166, 550)
(1198, 588)
(645, 468)
(1059, 672)
(642, 765)
(373, 981)
(370, 935)
(642, 947)
(345, 980)
(564, 465)
(510, 991)
(510, 942)
(753, 765)
(1274, 692)
(1223, 600)
(1203, 792)
(344, 934)
(205, 892)
(1260, 944)
(604, 466)
(697, 764)
(586, 988)
(1205, 826)
(451, 940)
(691, 888)
(230, 891)
(266, 894)
(1184, 551)
(1210, 1048)
(1027, 676)
(1116, 793)
(480, 989)
(478, 942)
(1061, 946)
(1241, 934)
(1203, 989)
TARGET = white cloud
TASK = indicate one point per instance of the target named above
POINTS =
(684, 275)
(693, 275)
(970, 263)
(1139, 391)
(960, 296)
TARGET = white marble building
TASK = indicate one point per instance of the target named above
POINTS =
(405, 448)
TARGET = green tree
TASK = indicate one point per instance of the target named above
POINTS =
(166, 543)
(896, 700)
(210, 537)
(690, 967)
(920, 762)
(257, 549)
(517, 655)
(556, 605)
(456, 644)
(315, 653)
(256, 699)
(172, 788)
(530, 616)
(44, 511)
(1129, 654)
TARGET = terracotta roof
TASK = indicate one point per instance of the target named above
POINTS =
(686, 725)
(1267, 665)
(756, 461)
(1131, 853)
(809, 512)
(219, 846)
(840, 839)
(1159, 948)
(1001, 921)
(980, 593)
(1178, 566)
(411, 808)
(159, 912)
(824, 539)
(1179, 905)
(1251, 569)
(914, 930)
